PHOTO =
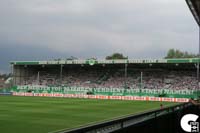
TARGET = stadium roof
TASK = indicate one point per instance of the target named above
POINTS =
(92, 61)
(194, 6)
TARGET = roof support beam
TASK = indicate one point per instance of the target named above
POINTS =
(194, 6)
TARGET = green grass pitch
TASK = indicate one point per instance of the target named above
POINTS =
(43, 114)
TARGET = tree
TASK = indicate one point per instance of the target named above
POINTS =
(175, 53)
(116, 56)
(170, 53)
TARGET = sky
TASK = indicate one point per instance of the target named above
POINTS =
(49, 29)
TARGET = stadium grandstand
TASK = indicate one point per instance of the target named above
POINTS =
(153, 75)
(159, 77)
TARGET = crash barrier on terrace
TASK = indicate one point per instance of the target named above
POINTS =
(165, 120)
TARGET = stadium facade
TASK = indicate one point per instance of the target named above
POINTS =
(130, 79)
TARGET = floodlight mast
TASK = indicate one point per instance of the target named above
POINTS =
(194, 6)
(198, 61)
(198, 22)
(198, 57)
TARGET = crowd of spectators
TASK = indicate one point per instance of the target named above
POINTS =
(116, 78)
